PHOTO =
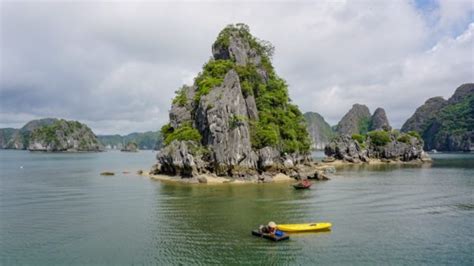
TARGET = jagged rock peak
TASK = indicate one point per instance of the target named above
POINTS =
(236, 107)
(355, 121)
(379, 120)
(461, 93)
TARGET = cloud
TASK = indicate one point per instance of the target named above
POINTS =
(116, 66)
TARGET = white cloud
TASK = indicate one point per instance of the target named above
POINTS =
(117, 65)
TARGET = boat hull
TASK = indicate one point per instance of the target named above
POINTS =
(308, 227)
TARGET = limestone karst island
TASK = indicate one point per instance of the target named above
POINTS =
(237, 133)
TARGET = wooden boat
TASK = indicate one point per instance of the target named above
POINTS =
(304, 227)
(302, 185)
(270, 236)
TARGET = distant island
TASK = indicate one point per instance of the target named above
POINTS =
(59, 135)
(51, 135)
(150, 140)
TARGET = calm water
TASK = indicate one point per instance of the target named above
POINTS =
(55, 209)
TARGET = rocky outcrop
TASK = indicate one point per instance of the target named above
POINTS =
(6, 135)
(381, 145)
(424, 114)
(130, 147)
(379, 120)
(359, 121)
(356, 121)
(446, 125)
(62, 135)
(319, 130)
(19, 139)
(236, 120)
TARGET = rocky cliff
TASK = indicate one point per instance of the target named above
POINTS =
(380, 144)
(236, 119)
(356, 121)
(379, 120)
(319, 130)
(446, 125)
(63, 135)
(359, 121)
(19, 138)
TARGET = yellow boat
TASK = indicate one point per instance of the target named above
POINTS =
(304, 227)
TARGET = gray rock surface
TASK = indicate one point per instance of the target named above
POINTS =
(225, 127)
(379, 120)
(319, 130)
(424, 114)
(346, 149)
(355, 121)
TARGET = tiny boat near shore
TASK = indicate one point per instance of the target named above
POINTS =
(302, 185)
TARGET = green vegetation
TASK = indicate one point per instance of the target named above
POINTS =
(364, 125)
(263, 135)
(180, 98)
(359, 138)
(379, 137)
(184, 132)
(237, 120)
(280, 124)
(212, 75)
(458, 118)
(46, 133)
(405, 138)
(243, 31)
(414, 134)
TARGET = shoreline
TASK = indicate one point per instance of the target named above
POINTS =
(211, 179)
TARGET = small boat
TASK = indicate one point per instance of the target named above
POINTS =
(273, 237)
(302, 185)
(304, 227)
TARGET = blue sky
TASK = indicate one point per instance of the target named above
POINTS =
(116, 65)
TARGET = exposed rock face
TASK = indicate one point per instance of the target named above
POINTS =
(319, 130)
(345, 148)
(424, 114)
(64, 135)
(379, 120)
(19, 139)
(130, 147)
(6, 135)
(215, 124)
(355, 121)
(446, 125)
(229, 140)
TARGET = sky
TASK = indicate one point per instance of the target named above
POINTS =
(116, 65)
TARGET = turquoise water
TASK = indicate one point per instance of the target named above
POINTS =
(55, 209)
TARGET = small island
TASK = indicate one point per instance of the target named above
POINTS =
(130, 147)
(237, 123)
(63, 136)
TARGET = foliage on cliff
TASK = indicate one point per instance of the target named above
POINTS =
(446, 124)
(280, 124)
